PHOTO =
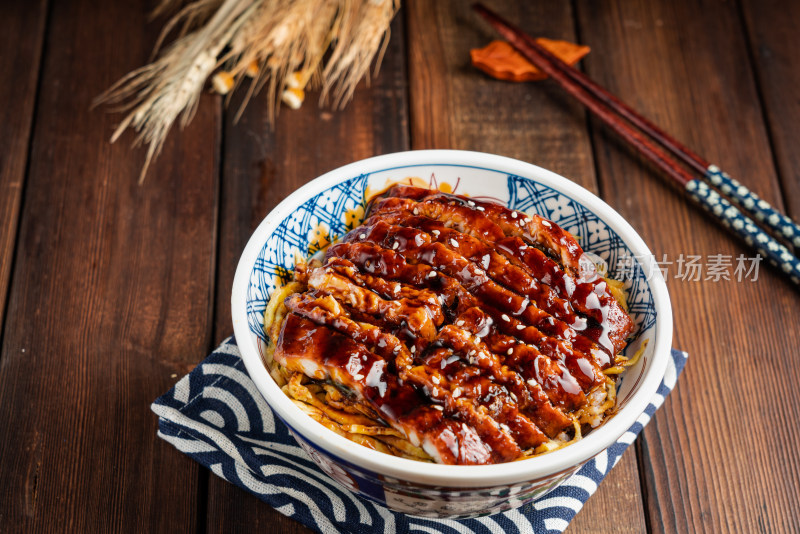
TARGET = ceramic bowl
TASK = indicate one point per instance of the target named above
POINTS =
(329, 206)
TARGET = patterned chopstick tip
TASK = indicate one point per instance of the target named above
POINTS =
(750, 201)
(744, 227)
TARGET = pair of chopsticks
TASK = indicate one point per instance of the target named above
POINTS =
(755, 221)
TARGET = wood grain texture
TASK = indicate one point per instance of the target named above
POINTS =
(263, 166)
(616, 507)
(454, 105)
(114, 286)
(719, 456)
(468, 110)
(772, 29)
(110, 301)
(22, 26)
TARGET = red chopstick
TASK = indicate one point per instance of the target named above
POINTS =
(649, 140)
(527, 48)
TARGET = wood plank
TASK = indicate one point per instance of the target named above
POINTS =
(711, 456)
(262, 166)
(532, 122)
(110, 301)
(21, 30)
(772, 27)
(454, 105)
(616, 507)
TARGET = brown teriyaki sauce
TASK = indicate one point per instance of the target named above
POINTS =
(474, 329)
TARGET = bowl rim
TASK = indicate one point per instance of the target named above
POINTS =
(455, 476)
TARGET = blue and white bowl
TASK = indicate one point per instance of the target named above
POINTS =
(329, 206)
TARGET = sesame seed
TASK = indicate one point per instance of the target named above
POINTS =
(513, 214)
(454, 242)
(531, 382)
(457, 393)
(460, 322)
(358, 377)
(472, 352)
(510, 351)
(413, 349)
(396, 245)
(396, 349)
(438, 407)
(436, 233)
(362, 236)
(505, 317)
(416, 211)
(471, 203)
(546, 223)
(481, 208)
(432, 274)
(513, 396)
(435, 379)
(528, 220)
(520, 327)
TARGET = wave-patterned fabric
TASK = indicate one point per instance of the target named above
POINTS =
(217, 416)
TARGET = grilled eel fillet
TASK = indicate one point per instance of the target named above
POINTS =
(477, 331)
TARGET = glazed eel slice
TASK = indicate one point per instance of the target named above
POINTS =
(412, 245)
(545, 251)
(482, 320)
(473, 329)
(469, 436)
(528, 395)
(563, 389)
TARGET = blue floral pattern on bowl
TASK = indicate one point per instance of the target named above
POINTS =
(322, 217)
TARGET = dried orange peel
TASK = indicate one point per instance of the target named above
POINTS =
(500, 60)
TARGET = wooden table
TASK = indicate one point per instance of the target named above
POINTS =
(110, 290)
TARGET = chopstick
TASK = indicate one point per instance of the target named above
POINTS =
(732, 189)
(650, 140)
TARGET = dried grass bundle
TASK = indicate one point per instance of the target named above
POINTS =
(279, 44)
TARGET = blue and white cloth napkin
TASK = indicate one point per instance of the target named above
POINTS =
(216, 415)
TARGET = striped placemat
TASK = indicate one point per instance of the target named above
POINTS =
(217, 416)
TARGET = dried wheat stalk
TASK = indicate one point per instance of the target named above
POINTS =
(277, 43)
